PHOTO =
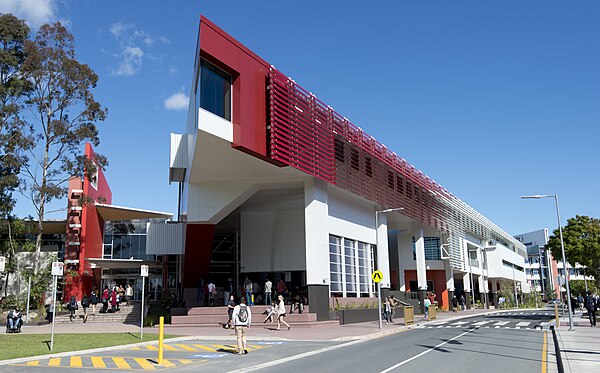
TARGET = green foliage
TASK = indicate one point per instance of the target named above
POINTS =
(581, 237)
(155, 311)
(13, 90)
(507, 292)
(578, 287)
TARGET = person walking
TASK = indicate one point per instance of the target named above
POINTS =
(230, 308)
(281, 313)
(212, 293)
(454, 303)
(393, 304)
(105, 300)
(387, 310)
(72, 307)
(227, 291)
(427, 303)
(281, 287)
(94, 301)
(271, 312)
(248, 291)
(268, 290)
(128, 293)
(591, 307)
(242, 318)
(462, 302)
(113, 300)
(85, 303)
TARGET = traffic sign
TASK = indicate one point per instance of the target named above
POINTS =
(144, 271)
(377, 276)
(58, 268)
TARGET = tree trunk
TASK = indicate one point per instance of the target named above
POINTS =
(41, 210)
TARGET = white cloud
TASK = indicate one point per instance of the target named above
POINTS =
(177, 101)
(131, 62)
(131, 40)
(34, 12)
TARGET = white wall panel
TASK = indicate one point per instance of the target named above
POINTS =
(215, 125)
(272, 241)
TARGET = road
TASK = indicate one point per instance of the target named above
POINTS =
(501, 342)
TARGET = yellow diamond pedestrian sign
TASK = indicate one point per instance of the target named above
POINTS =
(377, 276)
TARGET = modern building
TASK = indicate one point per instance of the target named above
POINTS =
(275, 183)
(543, 272)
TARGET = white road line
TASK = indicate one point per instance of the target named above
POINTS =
(524, 323)
(480, 323)
(425, 352)
(440, 322)
(501, 323)
(459, 323)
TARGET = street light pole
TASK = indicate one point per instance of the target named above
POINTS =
(28, 296)
(377, 245)
(562, 247)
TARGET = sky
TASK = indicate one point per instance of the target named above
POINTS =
(492, 100)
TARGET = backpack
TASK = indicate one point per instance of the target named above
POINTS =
(243, 313)
(590, 303)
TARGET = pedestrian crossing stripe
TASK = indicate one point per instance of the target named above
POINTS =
(193, 347)
(110, 362)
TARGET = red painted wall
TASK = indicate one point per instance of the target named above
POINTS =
(439, 284)
(91, 235)
(198, 249)
(249, 73)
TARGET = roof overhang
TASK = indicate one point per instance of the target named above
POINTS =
(121, 263)
(112, 212)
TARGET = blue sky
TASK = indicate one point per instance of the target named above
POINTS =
(493, 100)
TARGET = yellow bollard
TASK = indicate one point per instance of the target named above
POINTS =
(556, 315)
(161, 331)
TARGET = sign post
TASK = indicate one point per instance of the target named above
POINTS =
(144, 274)
(57, 270)
(377, 276)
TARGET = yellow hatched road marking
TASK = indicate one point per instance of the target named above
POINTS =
(54, 362)
(76, 362)
(98, 362)
(229, 348)
(170, 348)
(152, 348)
(167, 363)
(255, 347)
(33, 363)
(187, 348)
(121, 363)
(206, 348)
(136, 348)
(144, 363)
(187, 361)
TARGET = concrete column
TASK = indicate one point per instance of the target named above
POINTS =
(494, 294)
(383, 256)
(467, 288)
(401, 262)
(317, 246)
(482, 291)
(421, 265)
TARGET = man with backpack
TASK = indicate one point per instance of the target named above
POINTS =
(242, 318)
(590, 306)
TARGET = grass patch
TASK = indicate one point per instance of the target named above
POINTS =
(25, 345)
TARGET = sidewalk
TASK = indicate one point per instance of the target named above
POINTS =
(260, 331)
(580, 347)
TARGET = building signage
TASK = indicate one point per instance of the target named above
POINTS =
(58, 268)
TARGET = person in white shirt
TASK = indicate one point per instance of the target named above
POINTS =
(281, 312)
(242, 318)
(268, 291)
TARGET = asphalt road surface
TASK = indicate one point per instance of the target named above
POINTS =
(502, 342)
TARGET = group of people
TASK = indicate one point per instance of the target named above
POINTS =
(389, 308)
(208, 292)
(240, 318)
(114, 297)
(456, 302)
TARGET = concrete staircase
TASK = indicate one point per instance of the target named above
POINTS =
(214, 316)
(129, 314)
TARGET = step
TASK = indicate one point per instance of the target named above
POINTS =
(300, 324)
(222, 310)
(221, 318)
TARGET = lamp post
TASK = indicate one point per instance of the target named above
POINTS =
(377, 245)
(472, 301)
(28, 295)
(562, 247)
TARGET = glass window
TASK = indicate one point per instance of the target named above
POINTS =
(335, 264)
(215, 90)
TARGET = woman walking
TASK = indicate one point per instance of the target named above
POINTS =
(281, 313)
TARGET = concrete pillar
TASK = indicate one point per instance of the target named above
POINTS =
(401, 261)
(467, 288)
(383, 257)
(422, 296)
(494, 294)
(421, 265)
(317, 246)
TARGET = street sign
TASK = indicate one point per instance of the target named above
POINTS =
(377, 276)
(58, 268)
(2, 263)
(144, 271)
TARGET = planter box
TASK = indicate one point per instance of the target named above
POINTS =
(358, 315)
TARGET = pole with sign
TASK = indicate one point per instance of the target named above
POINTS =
(57, 270)
(144, 275)
(377, 276)
(2, 263)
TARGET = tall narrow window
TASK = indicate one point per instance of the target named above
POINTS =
(335, 264)
(339, 149)
(215, 90)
